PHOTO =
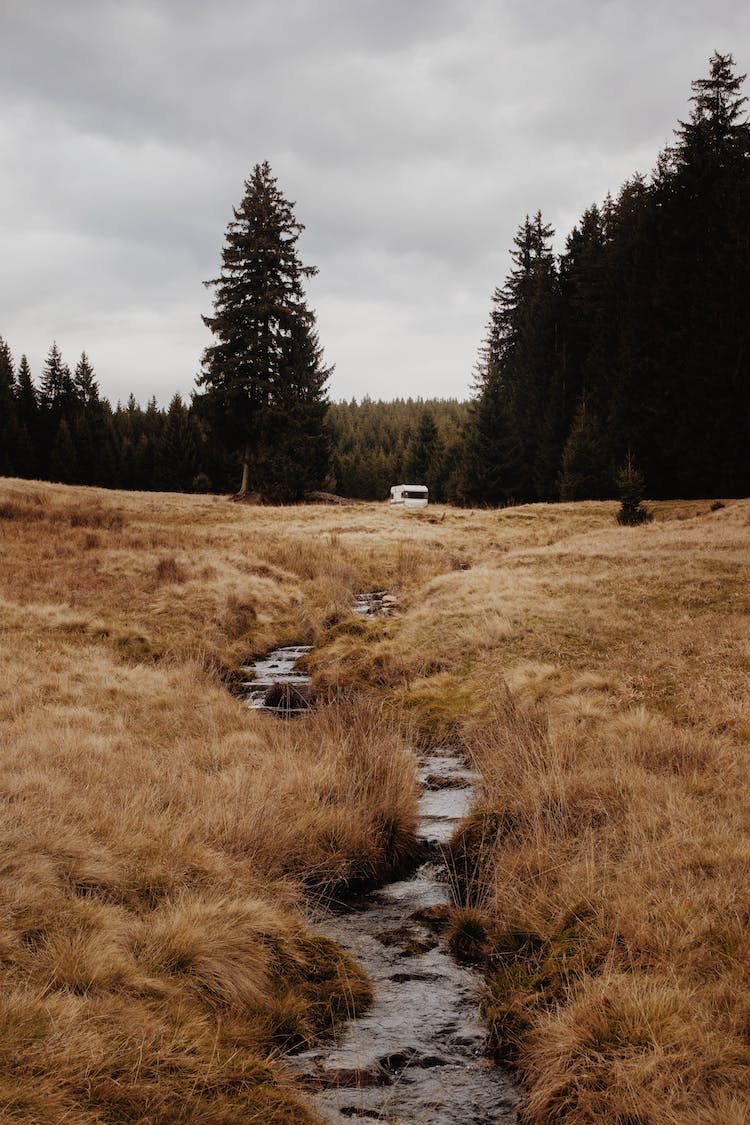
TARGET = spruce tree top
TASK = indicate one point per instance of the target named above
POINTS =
(715, 128)
(259, 307)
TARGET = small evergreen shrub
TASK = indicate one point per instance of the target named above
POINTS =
(630, 490)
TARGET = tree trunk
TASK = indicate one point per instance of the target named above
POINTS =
(245, 472)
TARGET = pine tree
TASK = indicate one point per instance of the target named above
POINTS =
(84, 381)
(58, 402)
(58, 390)
(178, 452)
(263, 379)
(584, 474)
(26, 397)
(527, 322)
(714, 132)
(8, 412)
(630, 487)
(27, 407)
(84, 421)
(514, 419)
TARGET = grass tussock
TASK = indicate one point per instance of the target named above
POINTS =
(160, 843)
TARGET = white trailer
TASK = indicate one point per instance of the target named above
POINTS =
(409, 495)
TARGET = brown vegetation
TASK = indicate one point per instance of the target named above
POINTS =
(160, 842)
(597, 677)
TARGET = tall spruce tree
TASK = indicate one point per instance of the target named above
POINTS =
(26, 397)
(514, 419)
(27, 406)
(702, 193)
(81, 425)
(263, 379)
(715, 129)
(58, 401)
(8, 412)
(58, 390)
(84, 381)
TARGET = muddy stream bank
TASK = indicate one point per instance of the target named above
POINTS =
(417, 1054)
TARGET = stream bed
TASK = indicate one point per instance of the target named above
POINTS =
(277, 684)
(416, 1056)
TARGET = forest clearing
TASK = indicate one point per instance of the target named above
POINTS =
(165, 847)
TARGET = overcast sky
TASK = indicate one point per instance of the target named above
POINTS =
(414, 135)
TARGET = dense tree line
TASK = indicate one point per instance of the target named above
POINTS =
(60, 428)
(635, 342)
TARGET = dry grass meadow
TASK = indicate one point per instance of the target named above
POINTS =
(162, 846)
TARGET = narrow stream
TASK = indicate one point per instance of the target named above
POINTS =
(277, 684)
(416, 1057)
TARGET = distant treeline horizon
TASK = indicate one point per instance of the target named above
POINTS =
(61, 428)
(632, 345)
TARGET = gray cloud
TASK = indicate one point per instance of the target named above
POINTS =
(413, 137)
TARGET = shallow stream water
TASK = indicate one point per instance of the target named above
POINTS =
(417, 1055)
(277, 684)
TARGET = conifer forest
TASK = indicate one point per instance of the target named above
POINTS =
(630, 345)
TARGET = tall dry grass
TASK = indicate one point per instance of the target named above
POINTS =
(160, 843)
(603, 874)
(608, 869)
(598, 678)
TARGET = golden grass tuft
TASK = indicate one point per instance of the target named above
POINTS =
(169, 570)
(223, 948)
(631, 1048)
